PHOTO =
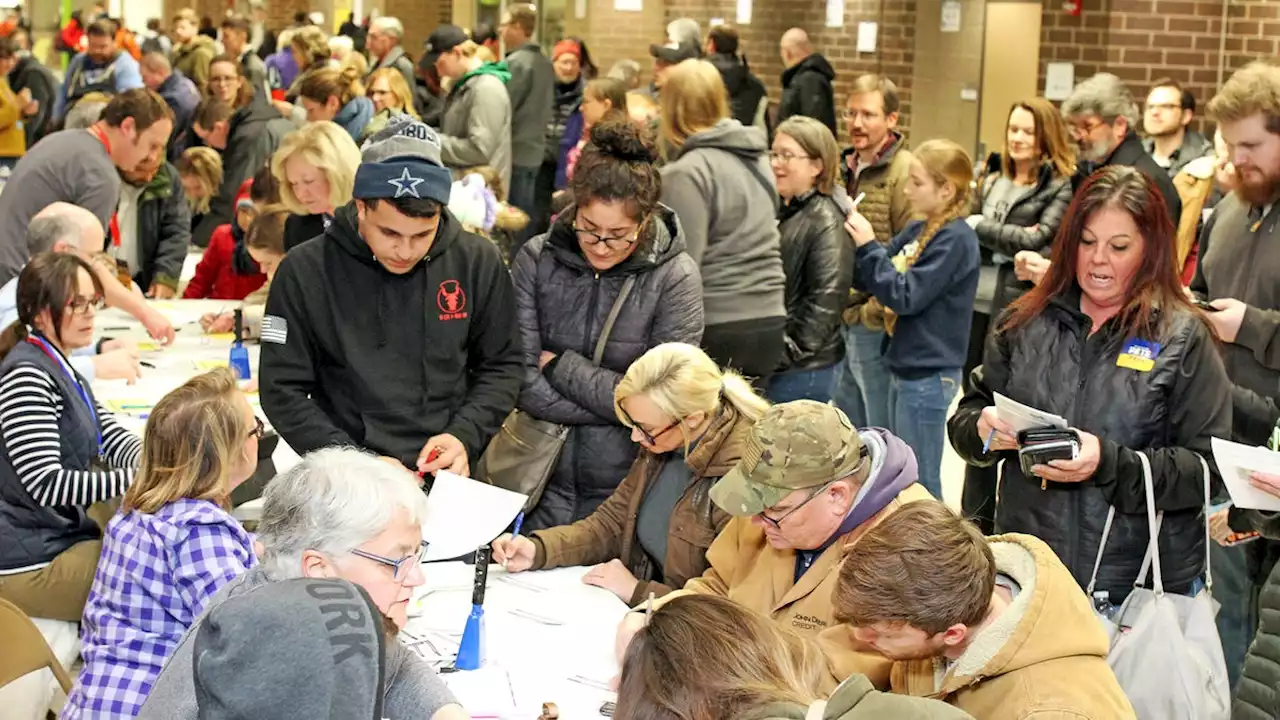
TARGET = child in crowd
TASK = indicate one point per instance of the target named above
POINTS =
(479, 202)
(227, 270)
(601, 97)
(924, 282)
(172, 545)
(201, 171)
(265, 243)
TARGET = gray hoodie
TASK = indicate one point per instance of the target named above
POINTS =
(721, 186)
(411, 689)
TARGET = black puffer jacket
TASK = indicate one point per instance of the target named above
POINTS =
(562, 304)
(806, 90)
(1169, 413)
(1258, 691)
(1041, 209)
(745, 89)
(818, 260)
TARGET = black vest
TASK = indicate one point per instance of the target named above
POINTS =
(90, 80)
(30, 533)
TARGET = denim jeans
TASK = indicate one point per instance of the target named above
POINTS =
(523, 194)
(919, 416)
(812, 384)
(861, 387)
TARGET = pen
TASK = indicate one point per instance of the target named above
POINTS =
(515, 533)
(146, 364)
(431, 457)
(115, 329)
(987, 445)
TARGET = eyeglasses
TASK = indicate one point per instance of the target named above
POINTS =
(1083, 131)
(862, 115)
(613, 242)
(650, 437)
(259, 428)
(399, 568)
(785, 158)
(80, 304)
(777, 523)
(223, 79)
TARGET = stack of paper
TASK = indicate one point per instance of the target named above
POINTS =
(1024, 417)
(1236, 462)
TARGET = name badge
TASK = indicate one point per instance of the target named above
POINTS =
(1139, 355)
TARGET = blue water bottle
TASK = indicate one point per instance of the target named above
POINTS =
(471, 650)
(239, 360)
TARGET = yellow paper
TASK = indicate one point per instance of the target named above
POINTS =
(222, 337)
(148, 346)
(207, 365)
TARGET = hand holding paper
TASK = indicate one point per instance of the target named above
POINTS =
(464, 514)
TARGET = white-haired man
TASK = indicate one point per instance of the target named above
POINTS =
(339, 513)
(383, 43)
(63, 227)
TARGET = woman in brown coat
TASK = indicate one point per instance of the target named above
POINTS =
(690, 419)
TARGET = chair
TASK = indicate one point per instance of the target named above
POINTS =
(25, 648)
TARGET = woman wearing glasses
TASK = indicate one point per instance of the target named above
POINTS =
(616, 236)
(62, 451)
(172, 545)
(691, 421)
(816, 256)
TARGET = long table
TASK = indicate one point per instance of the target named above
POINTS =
(548, 638)
(191, 353)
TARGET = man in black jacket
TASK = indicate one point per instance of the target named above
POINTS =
(395, 330)
(745, 90)
(31, 75)
(806, 83)
(1102, 118)
(155, 226)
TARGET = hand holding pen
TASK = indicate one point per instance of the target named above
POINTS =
(996, 434)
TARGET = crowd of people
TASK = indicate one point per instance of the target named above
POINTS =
(750, 329)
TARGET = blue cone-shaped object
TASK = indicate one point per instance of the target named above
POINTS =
(471, 651)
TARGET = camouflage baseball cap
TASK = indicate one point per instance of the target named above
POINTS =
(795, 446)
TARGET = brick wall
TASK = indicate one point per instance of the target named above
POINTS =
(895, 49)
(1144, 40)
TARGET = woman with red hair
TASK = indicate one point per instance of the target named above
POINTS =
(1109, 341)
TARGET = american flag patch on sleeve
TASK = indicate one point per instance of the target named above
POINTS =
(275, 329)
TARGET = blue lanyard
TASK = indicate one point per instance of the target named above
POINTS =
(56, 356)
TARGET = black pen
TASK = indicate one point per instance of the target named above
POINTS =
(146, 364)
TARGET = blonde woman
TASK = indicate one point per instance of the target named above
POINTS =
(389, 92)
(337, 96)
(201, 171)
(719, 182)
(817, 258)
(691, 420)
(172, 545)
(316, 168)
(701, 657)
(476, 127)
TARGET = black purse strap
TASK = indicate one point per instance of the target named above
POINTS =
(609, 321)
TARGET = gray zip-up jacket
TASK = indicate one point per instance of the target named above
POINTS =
(532, 88)
(476, 126)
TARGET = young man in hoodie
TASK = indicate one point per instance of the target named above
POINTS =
(808, 487)
(994, 626)
(806, 82)
(395, 330)
(532, 89)
(476, 126)
(192, 52)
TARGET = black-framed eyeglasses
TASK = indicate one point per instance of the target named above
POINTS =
(613, 242)
(777, 523)
(259, 428)
(401, 568)
(650, 437)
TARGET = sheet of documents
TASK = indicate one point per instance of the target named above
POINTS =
(485, 693)
(1024, 417)
(463, 514)
(1236, 461)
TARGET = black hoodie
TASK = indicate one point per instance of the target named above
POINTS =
(353, 354)
(806, 90)
(745, 89)
(256, 132)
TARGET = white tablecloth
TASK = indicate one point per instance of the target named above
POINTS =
(191, 353)
(548, 638)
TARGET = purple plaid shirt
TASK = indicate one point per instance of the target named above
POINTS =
(154, 577)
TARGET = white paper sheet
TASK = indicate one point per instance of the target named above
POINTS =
(485, 693)
(580, 9)
(867, 36)
(464, 514)
(744, 12)
(1236, 461)
(1059, 80)
(1024, 417)
(835, 13)
(628, 5)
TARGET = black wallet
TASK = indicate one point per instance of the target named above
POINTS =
(1039, 446)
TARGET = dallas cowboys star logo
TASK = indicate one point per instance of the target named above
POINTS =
(407, 184)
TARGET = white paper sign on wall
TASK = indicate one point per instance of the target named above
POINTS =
(1059, 80)
(867, 37)
(951, 16)
(835, 13)
(744, 12)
